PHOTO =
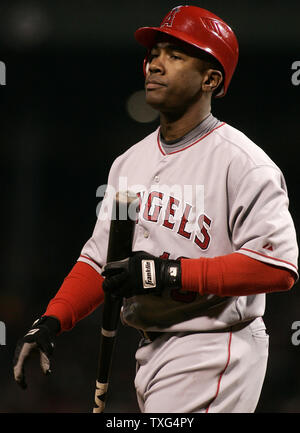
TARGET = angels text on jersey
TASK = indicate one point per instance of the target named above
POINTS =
(178, 208)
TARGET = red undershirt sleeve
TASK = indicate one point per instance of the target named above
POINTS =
(233, 275)
(79, 295)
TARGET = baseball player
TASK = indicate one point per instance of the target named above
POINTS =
(214, 235)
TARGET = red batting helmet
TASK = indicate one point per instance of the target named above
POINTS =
(202, 29)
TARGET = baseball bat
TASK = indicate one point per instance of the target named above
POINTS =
(121, 234)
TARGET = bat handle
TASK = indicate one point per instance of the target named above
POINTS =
(110, 321)
(111, 313)
(100, 392)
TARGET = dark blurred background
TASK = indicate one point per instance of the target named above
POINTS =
(70, 106)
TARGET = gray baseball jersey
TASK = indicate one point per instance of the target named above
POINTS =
(211, 196)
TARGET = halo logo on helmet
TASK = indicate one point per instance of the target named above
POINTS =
(168, 20)
(203, 30)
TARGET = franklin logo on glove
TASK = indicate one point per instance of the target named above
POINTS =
(149, 280)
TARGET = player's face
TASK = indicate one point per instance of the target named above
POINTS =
(174, 78)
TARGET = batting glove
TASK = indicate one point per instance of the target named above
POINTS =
(40, 338)
(139, 274)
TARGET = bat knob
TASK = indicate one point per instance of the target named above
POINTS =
(100, 394)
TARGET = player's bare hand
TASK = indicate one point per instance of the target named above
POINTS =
(140, 274)
(40, 338)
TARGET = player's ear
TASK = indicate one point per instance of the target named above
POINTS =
(211, 80)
